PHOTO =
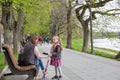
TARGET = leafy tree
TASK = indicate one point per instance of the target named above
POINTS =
(84, 18)
(37, 22)
(7, 20)
(57, 20)
(12, 21)
(69, 27)
(62, 17)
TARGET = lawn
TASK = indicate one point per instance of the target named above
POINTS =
(2, 62)
(77, 45)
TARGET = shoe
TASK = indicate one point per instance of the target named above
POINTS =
(60, 76)
(55, 77)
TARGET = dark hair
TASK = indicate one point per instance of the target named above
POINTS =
(23, 43)
(28, 38)
(33, 40)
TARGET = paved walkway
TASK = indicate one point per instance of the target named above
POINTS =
(81, 66)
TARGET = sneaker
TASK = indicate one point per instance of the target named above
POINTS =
(55, 77)
(60, 76)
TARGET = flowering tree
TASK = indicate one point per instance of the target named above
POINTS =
(84, 18)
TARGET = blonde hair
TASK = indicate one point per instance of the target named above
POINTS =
(59, 41)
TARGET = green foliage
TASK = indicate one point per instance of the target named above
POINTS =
(64, 43)
(21, 4)
(38, 21)
(36, 14)
(25, 5)
(76, 44)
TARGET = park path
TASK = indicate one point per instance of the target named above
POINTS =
(81, 66)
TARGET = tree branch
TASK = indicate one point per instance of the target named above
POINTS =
(113, 10)
(83, 12)
(103, 13)
(100, 4)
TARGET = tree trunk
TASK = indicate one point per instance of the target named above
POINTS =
(20, 23)
(17, 32)
(69, 36)
(57, 29)
(7, 22)
(0, 42)
(15, 40)
(117, 56)
(85, 38)
(52, 30)
(69, 29)
(85, 29)
(85, 34)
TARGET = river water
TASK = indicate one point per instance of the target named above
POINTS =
(107, 43)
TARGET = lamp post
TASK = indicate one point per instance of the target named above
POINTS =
(91, 35)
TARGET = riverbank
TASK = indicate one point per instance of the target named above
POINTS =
(103, 52)
(110, 43)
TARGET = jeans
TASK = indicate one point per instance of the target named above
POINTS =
(40, 65)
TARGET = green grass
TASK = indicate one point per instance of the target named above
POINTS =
(2, 61)
(114, 51)
(98, 53)
(77, 45)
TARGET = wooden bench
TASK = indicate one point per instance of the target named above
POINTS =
(15, 69)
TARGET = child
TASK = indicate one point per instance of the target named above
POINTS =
(56, 56)
(40, 65)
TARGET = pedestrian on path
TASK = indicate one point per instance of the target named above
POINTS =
(55, 61)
